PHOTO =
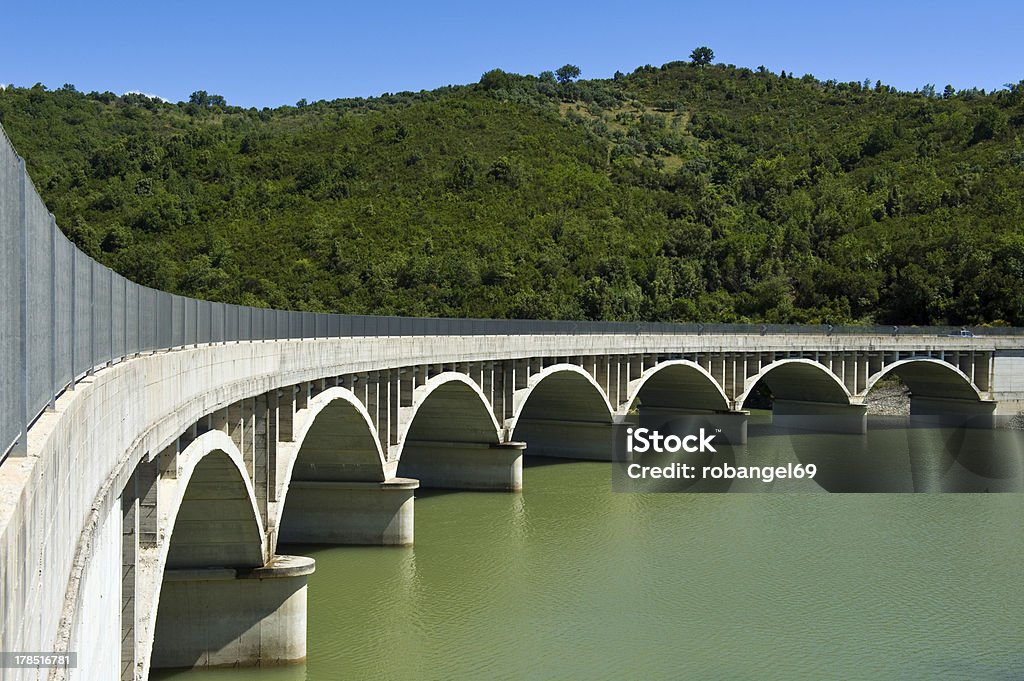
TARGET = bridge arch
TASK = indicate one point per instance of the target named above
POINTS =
(449, 407)
(334, 465)
(451, 439)
(211, 520)
(215, 500)
(798, 380)
(679, 385)
(337, 440)
(929, 377)
(563, 412)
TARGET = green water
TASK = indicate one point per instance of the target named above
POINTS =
(569, 580)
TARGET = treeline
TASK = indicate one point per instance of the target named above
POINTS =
(686, 192)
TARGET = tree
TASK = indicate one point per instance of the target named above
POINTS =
(495, 79)
(702, 56)
(567, 73)
(949, 92)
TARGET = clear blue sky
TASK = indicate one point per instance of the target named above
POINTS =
(268, 54)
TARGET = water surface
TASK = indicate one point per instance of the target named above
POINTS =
(570, 580)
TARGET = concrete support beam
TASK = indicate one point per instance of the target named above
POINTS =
(273, 437)
(367, 513)
(233, 618)
(394, 391)
(520, 373)
(822, 417)
(235, 424)
(602, 373)
(261, 417)
(147, 474)
(286, 406)
(465, 465)
(508, 389)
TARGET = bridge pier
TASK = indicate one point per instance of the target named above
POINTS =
(560, 439)
(367, 513)
(953, 412)
(824, 417)
(233, 618)
(465, 465)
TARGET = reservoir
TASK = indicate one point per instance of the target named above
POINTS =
(570, 580)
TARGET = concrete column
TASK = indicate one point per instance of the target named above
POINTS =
(248, 434)
(407, 382)
(260, 453)
(520, 373)
(498, 392)
(316, 387)
(273, 437)
(982, 366)
(233, 618)
(487, 382)
(236, 425)
(617, 372)
(876, 360)
(820, 416)
(286, 407)
(465, 465)
(636, 367)
(394, 393)
(508, 388)
(602, 373)
(147, 475)
(372, 403)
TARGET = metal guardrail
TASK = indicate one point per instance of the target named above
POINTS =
(62, 314)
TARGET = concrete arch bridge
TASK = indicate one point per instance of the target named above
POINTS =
(190, 466)
(155, 450)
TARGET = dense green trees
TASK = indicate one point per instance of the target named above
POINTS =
(679, 192)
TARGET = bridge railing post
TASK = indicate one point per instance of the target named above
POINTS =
(21, 446)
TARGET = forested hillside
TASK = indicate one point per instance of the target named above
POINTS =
(691, 192)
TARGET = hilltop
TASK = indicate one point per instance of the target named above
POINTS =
(681, 192)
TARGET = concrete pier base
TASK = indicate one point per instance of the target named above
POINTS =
(233, 618)
(822, 417)
(732, 425)
(465, 465)
(368, 513)
(587, 440)
(953, 412)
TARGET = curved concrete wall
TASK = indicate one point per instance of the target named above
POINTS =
(58, 503)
